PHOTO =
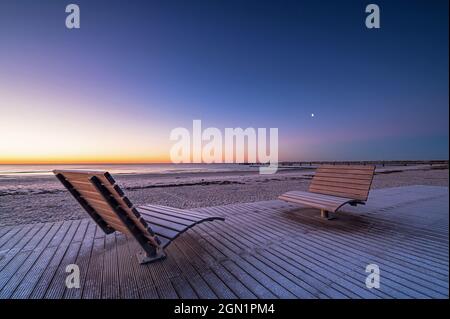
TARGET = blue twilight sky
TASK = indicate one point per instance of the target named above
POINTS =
(146, 67)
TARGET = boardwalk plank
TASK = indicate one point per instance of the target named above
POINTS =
(92, 286)
(15, 245)
(34, 266)
(49, 248)
(60, 241)
(144, 281)
(191, 250)
(110, 284)
(7, 235)
(126, 276)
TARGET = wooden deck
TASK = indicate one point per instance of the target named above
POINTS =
(263, 250)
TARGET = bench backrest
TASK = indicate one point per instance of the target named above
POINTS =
(98, 193)
(349, 181)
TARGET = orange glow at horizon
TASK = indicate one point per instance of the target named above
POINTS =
(85, 159)
(41, 129)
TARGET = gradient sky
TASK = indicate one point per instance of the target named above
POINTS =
(114, 89)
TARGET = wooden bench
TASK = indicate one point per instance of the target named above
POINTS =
(334, 186)
(154, 227)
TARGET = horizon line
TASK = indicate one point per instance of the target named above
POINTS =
(241, 163)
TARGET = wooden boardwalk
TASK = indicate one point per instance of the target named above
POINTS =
(266, 249)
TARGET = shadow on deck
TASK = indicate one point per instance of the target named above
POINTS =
(266, 249)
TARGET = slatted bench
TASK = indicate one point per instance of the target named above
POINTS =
(154, 227)
(334, 186)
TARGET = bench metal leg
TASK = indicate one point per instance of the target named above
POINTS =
(326, 215)
(145, 258)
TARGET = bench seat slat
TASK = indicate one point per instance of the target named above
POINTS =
(331, 204)
(354, 181)
(339, 192)
(321, 205)
(348, 167)
(88, 194)
(307, 201)
(345, 171)
(152, 214)
(341, 185)
(334, 192)
(154, 220)
(188, 214)
(317, 197)
(165, 232)
(344, 176)
(148, 209)
(158, 215)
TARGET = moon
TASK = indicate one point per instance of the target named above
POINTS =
(312, 114)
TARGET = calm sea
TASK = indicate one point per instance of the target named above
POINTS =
(39, 170)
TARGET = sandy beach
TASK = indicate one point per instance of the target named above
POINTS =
(32, 199)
